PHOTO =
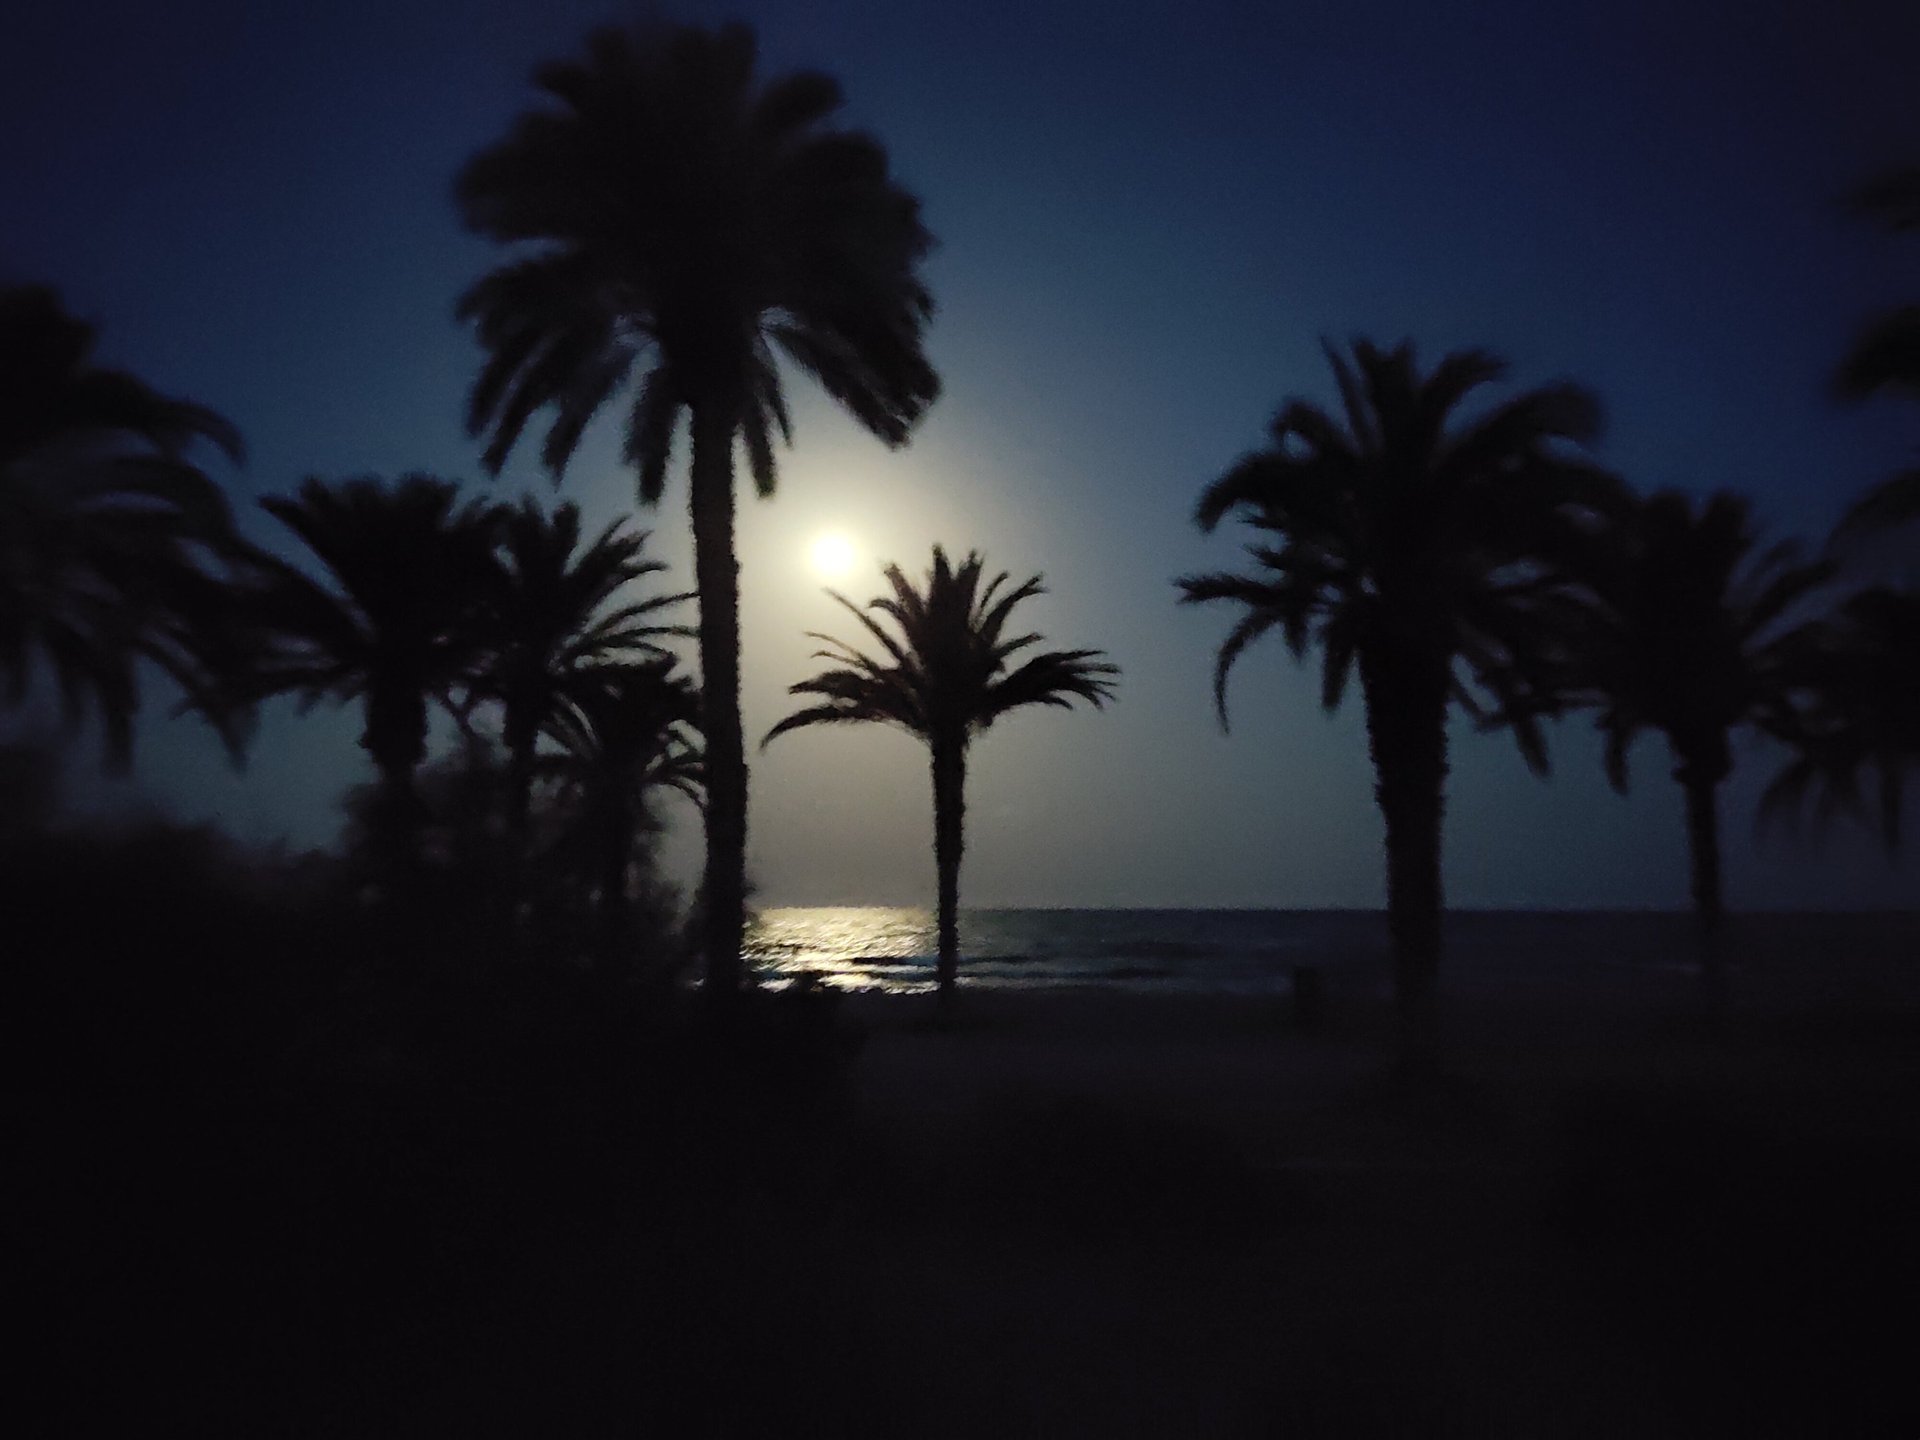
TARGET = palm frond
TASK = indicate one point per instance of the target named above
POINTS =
(667, 196)
(1400, 535)
(944, 673)
(1246, 630)
(1253, 483)
(114, 545)
(1892, 503)
(1058, 678)
(1886, 356)
(650, 427)
(1892, 199)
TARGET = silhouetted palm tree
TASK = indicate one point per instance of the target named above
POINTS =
(1856, 732)
(945, 678)
(671, 212)
(399, 622)
(624, 732)
(463, 808)
(1690, 638)
(112, 541)
(1886, 357)
(1413, 546)
(554, 621)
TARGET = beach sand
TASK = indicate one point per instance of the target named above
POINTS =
(1073, 1212)
(1082, 1212)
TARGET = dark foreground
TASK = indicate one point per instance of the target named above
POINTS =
(479, 1198)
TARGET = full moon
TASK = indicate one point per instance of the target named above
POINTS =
(832, 556)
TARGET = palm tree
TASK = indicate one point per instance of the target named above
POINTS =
(1413, 546)
(112, 541)
(623, 731)
(1886, 356)
(670, 211)
(945, 678)
(399, 626)
(1858, 726)
(1689, 637)
(552, 629)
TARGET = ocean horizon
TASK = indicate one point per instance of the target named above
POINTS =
(892, 949)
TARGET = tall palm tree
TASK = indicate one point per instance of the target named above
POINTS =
(1690, 637)
(557, 616)
(1886, 356)
(1416, 547)
(671, 212)
(113, 542)
(945, 678)
(398, 623)
(624, 732)
(1856, 732)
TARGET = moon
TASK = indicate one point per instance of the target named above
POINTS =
(832, 555)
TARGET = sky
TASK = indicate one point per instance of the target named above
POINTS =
(1148, 217)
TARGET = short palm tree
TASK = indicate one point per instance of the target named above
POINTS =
(113, 542)
(625, 731)
(1855, 733)
(398, 622)
(562, 610)
(944, 678)
(1886, 357)
(1691, 637)
(1418, 548)
(672, 212)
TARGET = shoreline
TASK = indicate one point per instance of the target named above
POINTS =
(1619, 959)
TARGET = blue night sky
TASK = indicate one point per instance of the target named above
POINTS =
(1148, 216)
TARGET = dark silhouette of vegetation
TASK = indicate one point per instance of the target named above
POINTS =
(576, 885)
(406, 1177)
(363, 1173)
(464, 807)
(1885, 359)
(557, 618)
(399, 622)
(1855, 726)
(670, 211)
(945, 678)
(1414, 546)
(1689, 636)
(623, 733)
(113, 543)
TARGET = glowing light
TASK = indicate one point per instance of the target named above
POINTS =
(833, 556)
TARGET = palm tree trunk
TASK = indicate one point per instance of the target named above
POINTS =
(520, 737)
(615, 853)
(1703, 844)
(717, 574)
(949, 830)
(396, 739)
(396, 846)
(1407, 737)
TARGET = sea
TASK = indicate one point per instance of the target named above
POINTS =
(1257, 952)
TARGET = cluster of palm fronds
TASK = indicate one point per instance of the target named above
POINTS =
(948, 674)
(669, 213)
(479, 610)
(520, 628)
(112, 540)
(1493, 565)
(674, 224)
(118, 550)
